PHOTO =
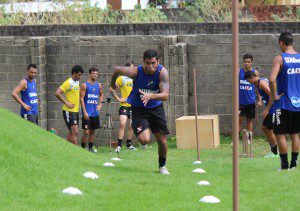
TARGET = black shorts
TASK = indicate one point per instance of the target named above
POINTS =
(153, 118)
(31, 118)
(125, 111)
(286, 122)
(248, 110)
(268, 122)
(71, 118)
(92, 124)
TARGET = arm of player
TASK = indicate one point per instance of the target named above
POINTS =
(264, 86)
(164, 88)
(130, 72)
(115, 95)
(101, 97)
(58, 94)
(277, 64)
(21, 86)
(259, 100)
(82, 94)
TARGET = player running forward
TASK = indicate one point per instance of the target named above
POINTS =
(91, 96)
(285, 89)
(28, 90)
(124, 84)
(71, 104)
(262, 85)
(150, 88)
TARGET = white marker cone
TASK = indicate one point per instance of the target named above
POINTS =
(197, 162)
(210, 199)
(91, 175)
(203, 183)
(116, 159)
(108, 164)
(72, 191)
(198, 170)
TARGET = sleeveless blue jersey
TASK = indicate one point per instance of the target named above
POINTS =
(145, 83)
(247, 94)
(288, 82)
(30, 98)
(91, 98)
(265, 97)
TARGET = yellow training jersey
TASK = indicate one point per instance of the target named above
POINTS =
(71, 90)
(125, 85)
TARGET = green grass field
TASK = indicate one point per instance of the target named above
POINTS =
(36, 166)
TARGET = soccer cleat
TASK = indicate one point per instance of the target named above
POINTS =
(164, 170)
(284, 169)
(144, 147)
(293, 165)
(271, 155)
(118, 149)
(91, 150)
(132, 148)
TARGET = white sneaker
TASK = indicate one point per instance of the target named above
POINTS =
(118, 149)
(144, 147)
(164, 170)
(132, 148)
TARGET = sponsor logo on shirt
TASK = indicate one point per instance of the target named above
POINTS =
(292, 71)
(34, 101)
(247, 85)
(32, 94)
(291, 60)
(92, 96)
(295, 101)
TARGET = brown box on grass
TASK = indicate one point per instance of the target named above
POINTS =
(208, 132)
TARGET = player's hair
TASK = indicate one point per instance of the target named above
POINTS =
(31, 66)
(249, 74)
(77, 69)
(286, 37)
(149, 54)
(128, 64)
(93, 69)
(248, 56)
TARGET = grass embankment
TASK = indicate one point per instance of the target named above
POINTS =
(36, 166)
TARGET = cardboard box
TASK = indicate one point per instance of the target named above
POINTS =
(208, 132)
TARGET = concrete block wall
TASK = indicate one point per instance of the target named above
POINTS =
(103, 53)
(209, 54)
(38, 57)
(15, 55)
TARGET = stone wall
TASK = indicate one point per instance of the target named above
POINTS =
(209, 54)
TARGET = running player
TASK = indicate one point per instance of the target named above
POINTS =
(124, 84)
(71, 104)
(29, 101)
(262, 85)
(150, 88)
(91, 96)
(285, 89)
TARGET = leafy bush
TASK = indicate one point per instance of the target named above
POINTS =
(83, 14)
(209, 11)
(138, 15)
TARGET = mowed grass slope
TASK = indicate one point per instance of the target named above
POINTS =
(35, 166)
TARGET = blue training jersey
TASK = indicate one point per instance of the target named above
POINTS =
(145, 83)
(247, 95)
(91, 98)
(29, 97)
(265, 97)
(288, 82)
